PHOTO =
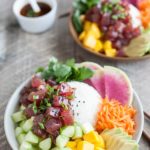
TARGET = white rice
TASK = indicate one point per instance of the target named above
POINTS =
(86, 103)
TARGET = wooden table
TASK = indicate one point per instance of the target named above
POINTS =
(25, 52)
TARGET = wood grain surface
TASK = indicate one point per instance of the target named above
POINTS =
(25, 52)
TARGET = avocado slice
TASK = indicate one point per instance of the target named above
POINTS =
(118, 139)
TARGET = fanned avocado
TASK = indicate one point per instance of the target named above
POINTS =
(139, 46)
(118, 139)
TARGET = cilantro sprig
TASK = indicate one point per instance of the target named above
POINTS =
(63, 72)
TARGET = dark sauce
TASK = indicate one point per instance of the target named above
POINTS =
(27, 10)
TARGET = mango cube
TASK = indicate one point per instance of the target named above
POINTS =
(90, 41)
(84, 145)
(98, 148)
(91, 137)
(111, 52)
(87, 25)
(71, 144)
(96, 31)
(100, 143)
(107, 45)
(99, 46)
(82, 35)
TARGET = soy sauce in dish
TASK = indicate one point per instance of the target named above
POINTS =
(27, 10)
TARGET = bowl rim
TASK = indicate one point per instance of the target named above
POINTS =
(13, 98)
(74, 35)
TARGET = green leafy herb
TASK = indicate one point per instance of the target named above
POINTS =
(63, 72)
(34, 107)
(44, 104)
(64, 106)
(35, 97)
(40, 69)
(31, 13)
(41, 125)
(80, 7)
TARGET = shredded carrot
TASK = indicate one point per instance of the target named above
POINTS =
(113, 114)
(144, 7)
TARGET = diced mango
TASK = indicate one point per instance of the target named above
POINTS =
(100, 143)
(71, 144)
(107, 45)
(90, 41)
(96, 31)
(78, 140)
(82, 35)
(99, 46)
(91, 137)
(87, 25)
(84, 145)
(111, 52)
(98, 148)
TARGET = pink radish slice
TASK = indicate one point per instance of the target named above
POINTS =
(97, 81)
(118, 85)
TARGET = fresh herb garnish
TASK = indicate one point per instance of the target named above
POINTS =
(80, 7)
(31, 13)
(44, 104)
(35, 97)
(63, 72)
(34, 107)
(64, 106)
(41, 125)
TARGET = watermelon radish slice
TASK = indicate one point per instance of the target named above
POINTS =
(118, 85)
(110, 82)
(97, 81)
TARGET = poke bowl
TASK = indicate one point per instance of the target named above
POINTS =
(65, 109)
(115, 30)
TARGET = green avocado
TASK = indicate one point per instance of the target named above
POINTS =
(138, 46)
(118, 139)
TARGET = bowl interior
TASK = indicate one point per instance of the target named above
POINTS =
(13, 106)
(75, 37)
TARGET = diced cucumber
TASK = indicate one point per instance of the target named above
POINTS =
(22, 107)
(21, 137)
(18, 131)
(28, 125)
(87, 127)
(78, 132)
(22, 123)
(45, 144)
(55, 148)
(26, 146)
(31, 138)
(61, 141)
(68, 131)
(18, 116)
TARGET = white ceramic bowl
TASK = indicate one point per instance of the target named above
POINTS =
(36, 24)
(12, 107)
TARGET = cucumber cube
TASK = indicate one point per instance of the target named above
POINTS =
(21, 137)
(22, 107)
(68, 131)
(28, 125)
(55, 148)
(45, 144)
(25, 146)
(61, 141)
(87, 127)
(31, 138)
(18, 131)
(18, 116)
(78, 132)
(21, 124)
